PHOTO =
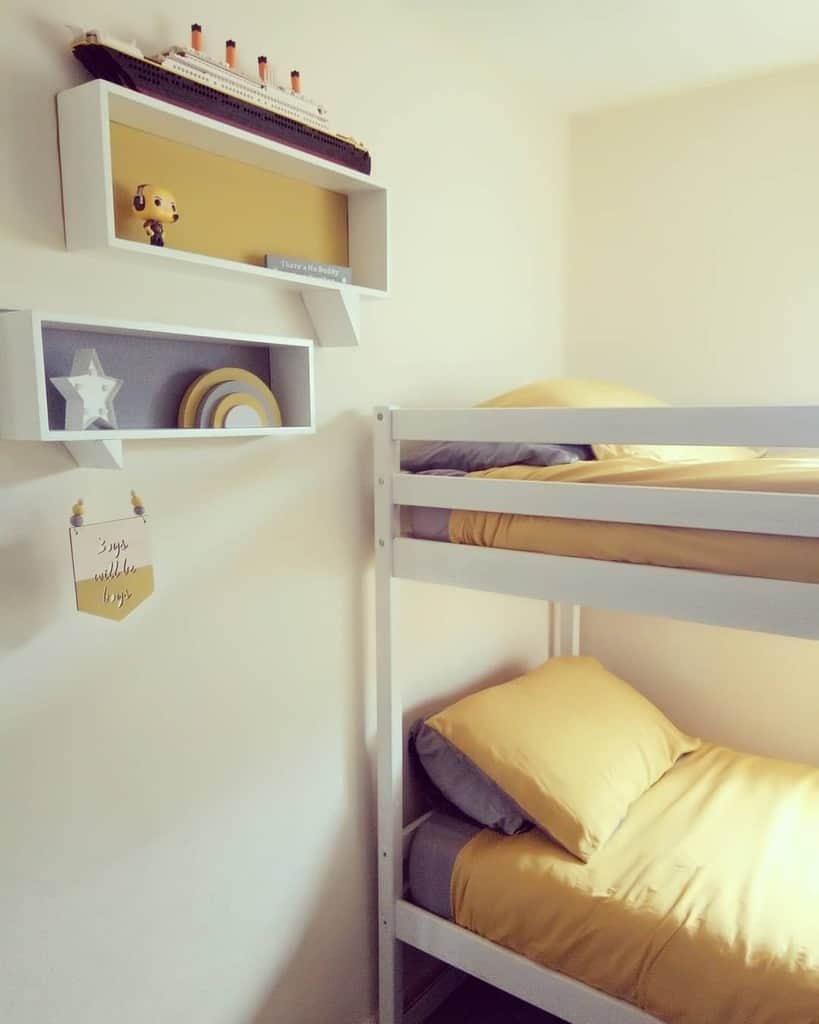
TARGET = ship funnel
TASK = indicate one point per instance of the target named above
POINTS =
(230, 52)
(196, 37)
(263, 69)
(295, 81)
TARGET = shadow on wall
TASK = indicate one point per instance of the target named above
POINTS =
(29, 600)
(323, 969)
(207, 735)
(23, 461)
(315, 984)
(28, 597)
(314, 529)
(34, 168)
(36, 215)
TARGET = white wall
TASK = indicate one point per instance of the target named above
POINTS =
(693, 231)
(187, 796)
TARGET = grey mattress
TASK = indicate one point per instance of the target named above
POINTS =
(435, 847)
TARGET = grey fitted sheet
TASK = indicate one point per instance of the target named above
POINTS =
(429, 523)
(432, 523)
(435, 848)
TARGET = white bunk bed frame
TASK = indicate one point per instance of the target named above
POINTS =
(771, 606)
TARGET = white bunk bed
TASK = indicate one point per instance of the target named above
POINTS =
(764, 605)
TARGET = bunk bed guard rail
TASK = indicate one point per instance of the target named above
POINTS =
(775, 606)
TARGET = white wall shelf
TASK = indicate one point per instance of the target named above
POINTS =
(85, 114)
(156, 362)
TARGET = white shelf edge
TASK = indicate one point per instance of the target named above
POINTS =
(45, 318)
(294, 282)
(107, 453)
(170, 433)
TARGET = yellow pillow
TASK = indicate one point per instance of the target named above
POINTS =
(566, 393)
(571, 744)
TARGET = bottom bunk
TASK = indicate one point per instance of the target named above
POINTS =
(701, 907)
(604, 865)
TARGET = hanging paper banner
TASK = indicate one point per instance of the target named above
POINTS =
(113, 573)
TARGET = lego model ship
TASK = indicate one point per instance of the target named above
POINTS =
(190, 78)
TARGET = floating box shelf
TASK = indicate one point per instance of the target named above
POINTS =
(86, 114)
(156, 363)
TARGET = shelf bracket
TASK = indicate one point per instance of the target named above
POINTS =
(96, 454)
(335, 313)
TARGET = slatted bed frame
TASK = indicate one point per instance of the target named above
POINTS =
(770, 606)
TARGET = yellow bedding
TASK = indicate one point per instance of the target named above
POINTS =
(741, 554)
(703, 908)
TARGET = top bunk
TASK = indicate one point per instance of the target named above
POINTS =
(763, 514)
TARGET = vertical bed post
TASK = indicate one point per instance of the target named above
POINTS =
(390, 759)
(564, 634)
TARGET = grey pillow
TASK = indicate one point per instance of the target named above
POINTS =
(463, 783)
(473, 456)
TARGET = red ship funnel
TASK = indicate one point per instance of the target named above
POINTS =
(230, 52)
(263, 69)
(196, 37)
(295, 81)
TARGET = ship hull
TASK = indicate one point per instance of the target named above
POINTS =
(146, 77)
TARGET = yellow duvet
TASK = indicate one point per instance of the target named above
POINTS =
(703, 908)
(740, 554)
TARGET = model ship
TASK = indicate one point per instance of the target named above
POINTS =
(190, 78)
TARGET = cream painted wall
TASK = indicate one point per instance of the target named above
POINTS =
(187, 797)
(693, 230)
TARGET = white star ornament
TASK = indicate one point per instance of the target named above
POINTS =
(88, 393)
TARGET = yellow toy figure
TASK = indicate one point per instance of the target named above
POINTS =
(157, 207)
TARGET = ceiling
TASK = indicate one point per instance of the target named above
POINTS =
(592, 53)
